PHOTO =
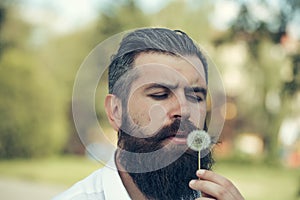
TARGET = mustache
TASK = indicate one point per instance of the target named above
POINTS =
(182, 126)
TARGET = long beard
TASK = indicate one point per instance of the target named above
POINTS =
(162, 183)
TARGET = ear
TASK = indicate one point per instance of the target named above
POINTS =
(113, 109)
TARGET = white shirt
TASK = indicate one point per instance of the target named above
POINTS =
(103, 184)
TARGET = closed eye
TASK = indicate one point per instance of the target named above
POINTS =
(195, 94)
(159, 96)
(194, 98)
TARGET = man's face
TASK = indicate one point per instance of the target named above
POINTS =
(167, 88)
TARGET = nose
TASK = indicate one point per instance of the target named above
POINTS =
(179, 107)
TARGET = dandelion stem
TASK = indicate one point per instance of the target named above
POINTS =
(199, 160)
(199, 167)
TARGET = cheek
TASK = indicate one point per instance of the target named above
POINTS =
(137, 111)
(203, 109)
(149, 117)
(198, 115)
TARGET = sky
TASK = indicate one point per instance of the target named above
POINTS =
(60, 16)
(64, 16)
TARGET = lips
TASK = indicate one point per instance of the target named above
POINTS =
(176, 132)
(179, 138)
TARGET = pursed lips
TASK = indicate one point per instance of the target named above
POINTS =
(179, 138)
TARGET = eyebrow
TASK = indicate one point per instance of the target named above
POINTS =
(161, 86)
(195, 89)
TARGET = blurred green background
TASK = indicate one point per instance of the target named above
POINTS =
(255, 45)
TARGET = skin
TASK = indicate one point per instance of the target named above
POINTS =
(168, 88)
(215, 186)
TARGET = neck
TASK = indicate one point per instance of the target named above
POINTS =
(127, 181)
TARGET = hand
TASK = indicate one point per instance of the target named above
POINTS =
(214, 186)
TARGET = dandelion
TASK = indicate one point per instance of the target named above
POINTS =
(198, 140)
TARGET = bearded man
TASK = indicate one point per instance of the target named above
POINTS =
(157, 96)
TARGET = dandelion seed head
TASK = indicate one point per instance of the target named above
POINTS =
(198, 140)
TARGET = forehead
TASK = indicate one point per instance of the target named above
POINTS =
(165, 68)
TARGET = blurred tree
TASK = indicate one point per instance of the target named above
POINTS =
(120, 16)
(63, 56)
(189, 16)
(264, 32)
(31, 114)
(291, 87)
(2, 19)
(115, 17)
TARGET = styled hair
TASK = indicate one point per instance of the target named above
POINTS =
(158, 40)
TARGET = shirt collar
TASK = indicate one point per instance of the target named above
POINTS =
(112, 184)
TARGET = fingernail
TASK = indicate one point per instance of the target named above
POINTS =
(192, 182)
(200, 172)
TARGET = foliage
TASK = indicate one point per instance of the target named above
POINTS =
(262, 36)
(2, 19)
(124, 17)
(31, 118)
(63, 57)
(31, 114)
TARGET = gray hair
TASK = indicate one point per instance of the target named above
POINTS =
(159, 40)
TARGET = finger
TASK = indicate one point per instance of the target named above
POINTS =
(218, 179)
(205, 198)
(212, 189)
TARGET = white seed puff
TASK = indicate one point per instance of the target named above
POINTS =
(198, 140)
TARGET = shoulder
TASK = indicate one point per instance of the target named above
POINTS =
(89, 188)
